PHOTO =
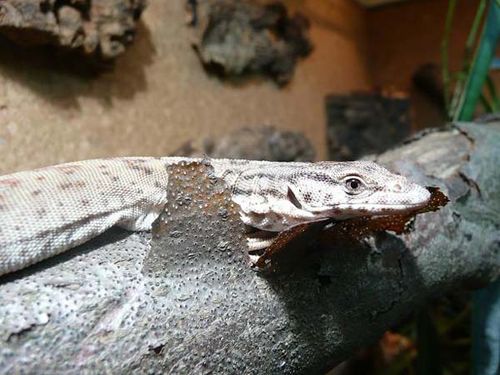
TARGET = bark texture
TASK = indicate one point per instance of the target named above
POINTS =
(237, 37)
(98, 29)
(191, 304)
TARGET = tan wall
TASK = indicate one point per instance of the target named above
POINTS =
(406, 35)
(158, 97)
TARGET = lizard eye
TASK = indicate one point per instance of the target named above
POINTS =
(354, 185)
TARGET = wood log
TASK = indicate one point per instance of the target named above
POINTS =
(189, 302)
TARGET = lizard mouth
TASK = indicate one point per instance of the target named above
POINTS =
(346, 211)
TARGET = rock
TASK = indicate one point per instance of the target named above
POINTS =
(254, 143)
(365, 123)
(99, 30)
(237, 37)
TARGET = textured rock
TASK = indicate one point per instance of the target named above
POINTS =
(99, 29)
(254, 143)
(365, 123)
(237, 37)
(191, 304)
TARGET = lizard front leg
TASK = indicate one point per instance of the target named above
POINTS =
(267, 248)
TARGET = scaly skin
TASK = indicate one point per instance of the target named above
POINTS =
(49, 210)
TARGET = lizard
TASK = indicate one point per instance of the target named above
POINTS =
(46, 211)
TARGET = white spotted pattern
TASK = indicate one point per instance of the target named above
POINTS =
(47, 211)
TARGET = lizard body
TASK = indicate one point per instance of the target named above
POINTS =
(49, 210)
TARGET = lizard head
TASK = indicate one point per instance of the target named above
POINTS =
(279, 197)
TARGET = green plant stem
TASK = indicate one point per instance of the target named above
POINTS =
(493, 94)
(476, 76)
(467, 60)
(452, 4)
(488, 107)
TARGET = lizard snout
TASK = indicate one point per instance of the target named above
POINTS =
(411, 193)
(418, 194)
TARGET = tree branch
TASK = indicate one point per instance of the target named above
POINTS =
(191, 303)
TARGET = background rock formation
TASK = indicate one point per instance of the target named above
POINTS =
(253, 143)
(99, 30)
(238, 37)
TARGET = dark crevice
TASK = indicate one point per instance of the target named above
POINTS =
(471, 183)
(156, 348)
(324, 280)
(466, 135)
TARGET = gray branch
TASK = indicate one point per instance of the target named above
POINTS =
(189, 303)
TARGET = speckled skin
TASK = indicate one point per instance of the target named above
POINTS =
(47, 211)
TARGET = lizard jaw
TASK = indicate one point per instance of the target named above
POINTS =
(385, 202)
(393, 204)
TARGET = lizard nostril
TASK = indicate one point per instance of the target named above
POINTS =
(397, 187)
